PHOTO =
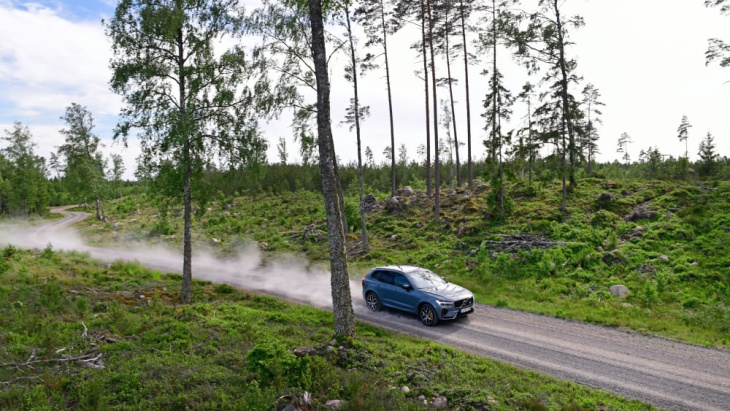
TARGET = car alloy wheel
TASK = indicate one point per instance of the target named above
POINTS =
(428, 315)
(373, 301)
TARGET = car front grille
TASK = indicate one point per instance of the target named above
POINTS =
(464, 303)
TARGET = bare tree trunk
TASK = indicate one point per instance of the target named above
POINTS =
(100, 209)
(365, 245)
(495, 90)
(425, 82)
(470, 176)
(451, 95)
(437, 171)
(564, 92)
(390, 102)
(341, 298)
(186, 293)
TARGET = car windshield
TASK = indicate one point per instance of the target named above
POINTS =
(425, 279)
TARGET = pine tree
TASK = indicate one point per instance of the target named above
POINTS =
(708, 156)
(683, 134)
(623, 147)
(592, 104)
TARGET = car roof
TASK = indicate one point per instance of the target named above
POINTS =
(402, 268)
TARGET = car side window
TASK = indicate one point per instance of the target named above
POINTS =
(400, 280)
(383, 277)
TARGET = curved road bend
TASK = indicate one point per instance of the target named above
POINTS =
(661, 372)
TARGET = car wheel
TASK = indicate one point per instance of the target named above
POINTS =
(373, 301)
(428, 315)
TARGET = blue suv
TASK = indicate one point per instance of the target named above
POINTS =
(416, 290)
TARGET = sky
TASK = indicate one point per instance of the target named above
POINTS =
(645, 57)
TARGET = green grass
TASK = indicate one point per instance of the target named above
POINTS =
(685, 296)
(228, 350)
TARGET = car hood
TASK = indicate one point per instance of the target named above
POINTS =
(449, 290)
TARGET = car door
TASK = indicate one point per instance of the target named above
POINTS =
(384, 287)
(406, 299)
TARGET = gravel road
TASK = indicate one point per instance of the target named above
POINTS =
(664, 373)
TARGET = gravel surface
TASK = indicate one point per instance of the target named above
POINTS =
(661, 372)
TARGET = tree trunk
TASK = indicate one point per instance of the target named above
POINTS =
(390, 103)
(341, 298)
(437, 171)
(365, 245)
(425, 82)
(451, 95)
(495, 91)
(564, 92)
(100, 209)
(186, 293)
(470, 176)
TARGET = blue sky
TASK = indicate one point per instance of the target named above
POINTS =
(646, 57)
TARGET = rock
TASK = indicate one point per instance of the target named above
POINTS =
(334, 404)
(640, 212)
(396, 204)
(462, 231)
(491, 400)
(619, 291)
(405, 390)
(421, 398)
(614, 257)
(229, 206)
(263, 245)
(330, 348)
(694, 264)
(369, 203)
(606, 198)
(440, 403)
(289, 407)
(333, 342)
(663, 257)
(406, 191)
(216, 240)
(393, 237)
(304, 351)
(599, 249)
(646, 268)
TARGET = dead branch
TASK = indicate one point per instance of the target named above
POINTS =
(31, 377)
(52, 360)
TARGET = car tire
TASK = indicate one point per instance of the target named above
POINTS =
(373, 302)
(428, 315)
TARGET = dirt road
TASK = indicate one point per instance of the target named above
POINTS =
(667, 374)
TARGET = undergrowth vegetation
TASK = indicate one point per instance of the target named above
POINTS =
(668, 242)
(81, 335)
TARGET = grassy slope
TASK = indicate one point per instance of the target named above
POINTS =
(228, 350)
(686, 296)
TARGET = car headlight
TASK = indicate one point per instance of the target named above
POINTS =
(445, 303)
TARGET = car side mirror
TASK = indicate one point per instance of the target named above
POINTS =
(406, 287)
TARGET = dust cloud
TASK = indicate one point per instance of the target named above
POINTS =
(289, 277)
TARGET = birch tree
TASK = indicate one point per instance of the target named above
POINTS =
(186, 94)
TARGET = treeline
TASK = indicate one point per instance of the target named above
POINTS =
(75, 173)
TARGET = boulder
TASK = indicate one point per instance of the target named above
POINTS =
(396, 204)
(606, 198)
(405, 390)
(304, 351)
(663, 257)
(614, 257)
(440, 403)
(640, 212)
(369, 203)
(406, 191)
(619, 291)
